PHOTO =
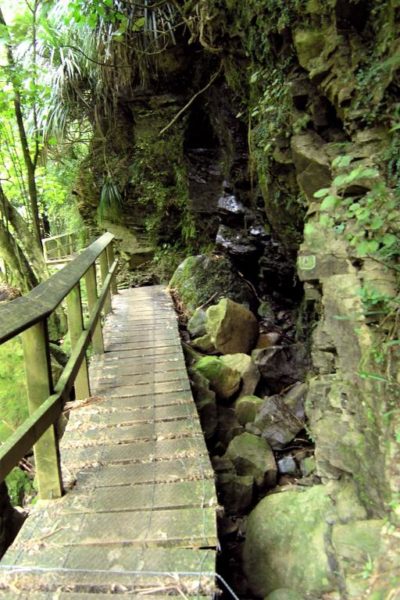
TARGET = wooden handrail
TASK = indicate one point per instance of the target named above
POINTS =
(29, 314)
(57, 248)
(22, 313)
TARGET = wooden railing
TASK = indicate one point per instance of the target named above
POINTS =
(28, 316)
(61, 248)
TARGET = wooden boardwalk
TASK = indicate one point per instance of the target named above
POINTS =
(139, 517)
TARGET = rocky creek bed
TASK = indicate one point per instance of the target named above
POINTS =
(293, 523)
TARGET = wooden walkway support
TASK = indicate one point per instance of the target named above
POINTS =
(138, 518)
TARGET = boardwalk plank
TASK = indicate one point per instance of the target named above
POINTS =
(142, 497)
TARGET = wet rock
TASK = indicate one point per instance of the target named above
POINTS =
(235, 242)
(197, 323)
(232, 327)
(235, 491)
(249, 373)
(223, 380)
(202, 278)
(205, 402)
(230, 205)
(247, 408)
(287, 465)
(282, 366)
(281, 418)
(285, 543)
(252, 455)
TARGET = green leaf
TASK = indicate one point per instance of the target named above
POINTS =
(376, 223)
(367, 247)
(326, 220)
(341, 180)
(322, 192)
(389, 239)
(329, 202)
(342, 161)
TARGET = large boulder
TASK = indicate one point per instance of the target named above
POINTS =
(252, 455)
(202, 279)
(223, 380)
(232, 327)
(248, 371)
(285, 543)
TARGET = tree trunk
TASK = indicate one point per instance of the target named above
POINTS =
(20, 269)
(30, 164)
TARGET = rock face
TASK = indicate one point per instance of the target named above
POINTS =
(201, 279)
(231, 327)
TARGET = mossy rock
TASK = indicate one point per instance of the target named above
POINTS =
(232, 327)
(197, 323)
(248, 371)
(285, 543)
(204, 344)
(223, 380)
(247, 408)
(205, 402)
(357, 545)
(252, 455)
(200, 279)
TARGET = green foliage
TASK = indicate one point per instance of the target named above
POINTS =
(13, 398)
(19, 486)
(158, 175)
(110, 204)
(368, 219)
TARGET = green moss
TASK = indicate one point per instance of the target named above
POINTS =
(201, 278)
(13, 397)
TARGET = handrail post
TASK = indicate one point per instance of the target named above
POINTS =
(111, 258)
(104, 272)
(75, 327)
(39, 384)
(91, 290)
